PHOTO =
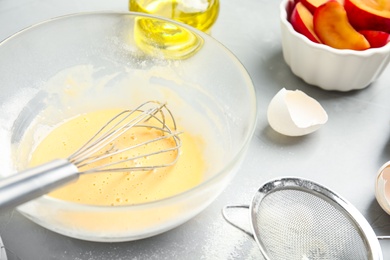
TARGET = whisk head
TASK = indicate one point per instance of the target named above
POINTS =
(130, 140)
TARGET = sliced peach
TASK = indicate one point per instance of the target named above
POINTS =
(290, 7)
(376, 39)
(369, 15)
(313, 4)
(302, 21)
(333, 28)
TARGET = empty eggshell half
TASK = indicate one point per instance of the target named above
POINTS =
(294, 113)
(382, 187)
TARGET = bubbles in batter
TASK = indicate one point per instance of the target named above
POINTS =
(120, 188)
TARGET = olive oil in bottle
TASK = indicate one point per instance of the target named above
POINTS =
(159, 37)
(201, 14)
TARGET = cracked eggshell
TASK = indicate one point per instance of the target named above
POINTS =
(382, 187)
(294, 113)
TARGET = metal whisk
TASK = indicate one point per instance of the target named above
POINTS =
(151, 115)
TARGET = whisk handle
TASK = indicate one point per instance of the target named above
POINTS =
(32, 183)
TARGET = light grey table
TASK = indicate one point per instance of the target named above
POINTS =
(344, 155)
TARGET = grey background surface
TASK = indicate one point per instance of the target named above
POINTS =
(344, 155)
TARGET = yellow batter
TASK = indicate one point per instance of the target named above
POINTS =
(119, 188)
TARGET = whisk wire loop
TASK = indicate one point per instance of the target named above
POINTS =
(102, 146)
(110, 134)
(144, 168)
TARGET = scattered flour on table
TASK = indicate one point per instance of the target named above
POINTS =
(227, 242)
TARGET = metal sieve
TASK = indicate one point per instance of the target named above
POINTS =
(297, 219)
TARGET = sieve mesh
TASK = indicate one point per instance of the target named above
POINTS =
(297, 224)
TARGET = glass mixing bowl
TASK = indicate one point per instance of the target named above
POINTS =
(57, 69)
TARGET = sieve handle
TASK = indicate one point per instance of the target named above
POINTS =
(3, 254)
(383, 237)
(32, 183)
(225, 215)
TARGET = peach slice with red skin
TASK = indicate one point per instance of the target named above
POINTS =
(369, 15)
(332, 27)
(302, 21)
(313, 4)
(376, 39)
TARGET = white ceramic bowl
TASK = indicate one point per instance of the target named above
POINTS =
(327, 67)
(198, 79)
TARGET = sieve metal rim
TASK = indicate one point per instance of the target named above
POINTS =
(345, 207)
